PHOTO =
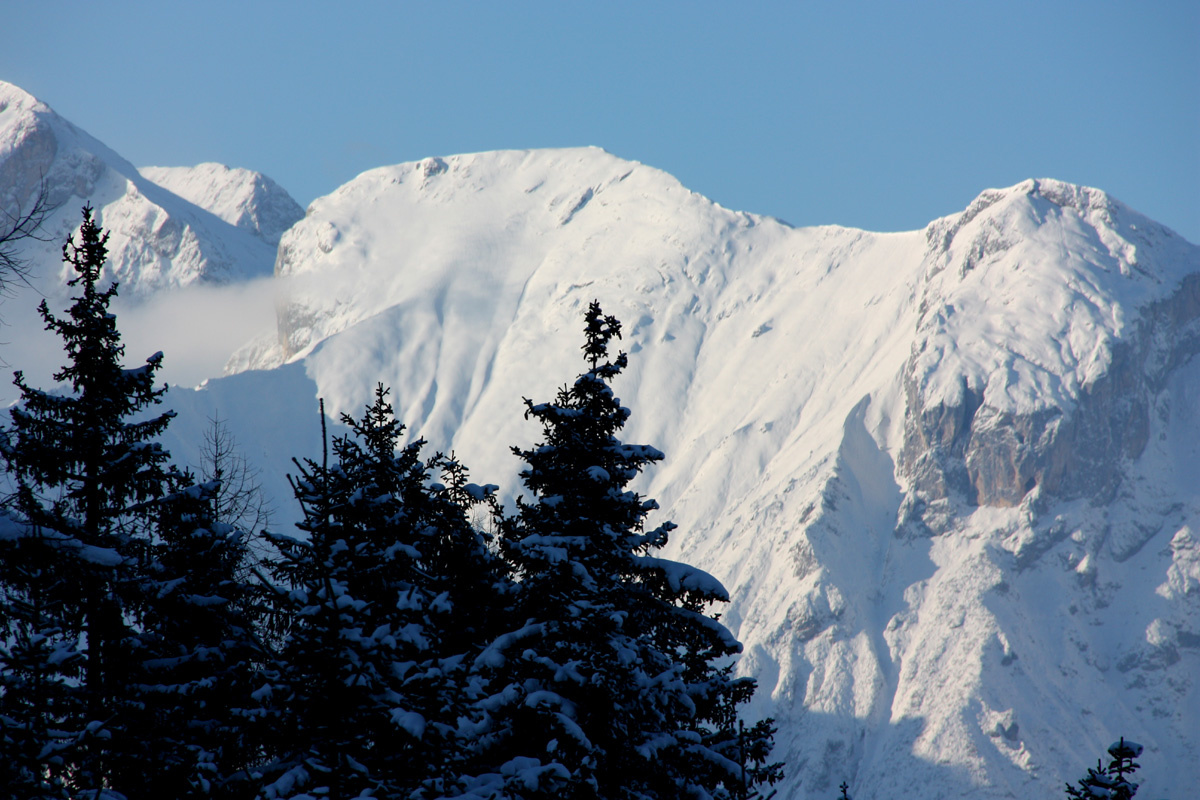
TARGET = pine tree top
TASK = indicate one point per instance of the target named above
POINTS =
(87, 442)
(599, 329)
(1111, 782)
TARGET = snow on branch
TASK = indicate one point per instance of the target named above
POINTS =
(685, 577)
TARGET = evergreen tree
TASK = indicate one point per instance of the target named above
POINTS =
(369, 689)
(1111, 782)
(199, 653)
(91, 561)
(617, 684)
(85, 474)
(40, 665)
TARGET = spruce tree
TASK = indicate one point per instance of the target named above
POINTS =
(1111, 782)
(199, 650)
(369, 689)
(617, 683)
(85, 472)
(40, 666)
(99, 541)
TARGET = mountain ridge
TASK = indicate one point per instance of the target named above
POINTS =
(786, 373)
(948, 475)
(795, 480)
(157, 241)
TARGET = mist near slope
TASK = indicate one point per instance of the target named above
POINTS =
(196, 327)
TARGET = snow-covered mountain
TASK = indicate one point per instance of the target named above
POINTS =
(245, 199)
(949, 476)
(158, 240)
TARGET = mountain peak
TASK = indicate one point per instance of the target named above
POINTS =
(537, 171)
(14, 98)
(524, 209)
(158, 239)
(244, 198)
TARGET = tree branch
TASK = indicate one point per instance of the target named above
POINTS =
(17, 226)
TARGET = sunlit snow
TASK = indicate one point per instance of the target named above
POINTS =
(948, 476)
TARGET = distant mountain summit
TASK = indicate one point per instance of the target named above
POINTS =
(158, 239)
(1035, 301)
(245, 199)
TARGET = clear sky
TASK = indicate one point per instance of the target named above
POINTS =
(880, 115)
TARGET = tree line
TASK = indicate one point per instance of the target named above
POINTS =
(392, 649)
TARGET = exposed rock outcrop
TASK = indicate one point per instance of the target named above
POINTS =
(973, 441)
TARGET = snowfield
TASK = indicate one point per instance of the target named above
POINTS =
(949, 477)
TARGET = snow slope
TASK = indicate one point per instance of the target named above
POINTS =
(949, 476)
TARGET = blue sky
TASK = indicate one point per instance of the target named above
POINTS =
(880, 115)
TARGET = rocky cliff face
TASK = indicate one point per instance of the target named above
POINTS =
(1069, 421)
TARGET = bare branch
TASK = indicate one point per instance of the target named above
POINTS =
(240, 500)
(17, 226)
